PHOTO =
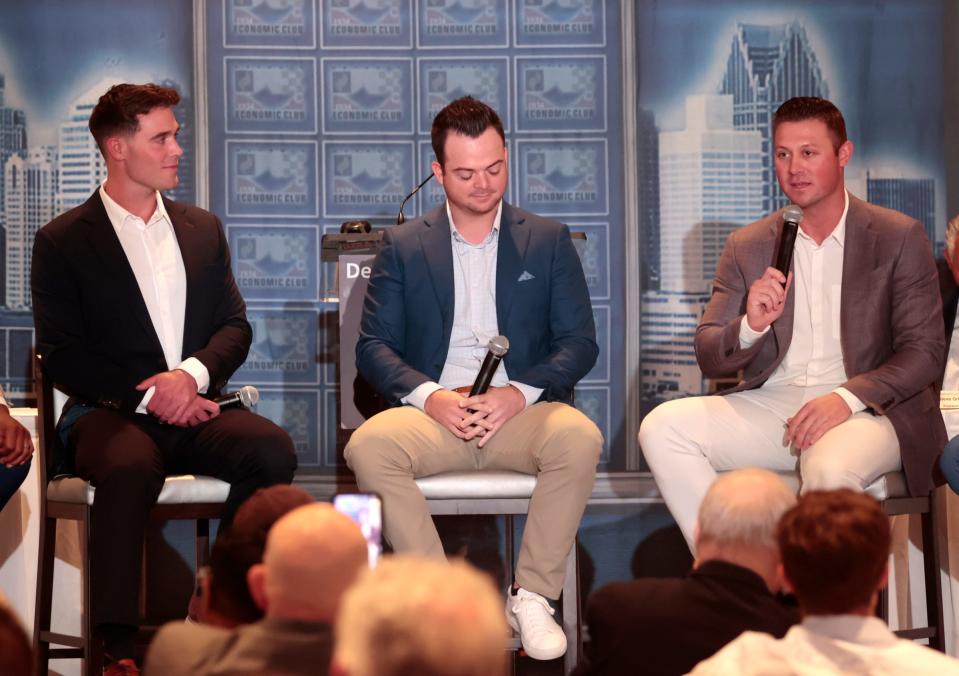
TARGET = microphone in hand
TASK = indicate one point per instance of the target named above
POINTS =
(496, 350)
(245, 397)
(792, 216)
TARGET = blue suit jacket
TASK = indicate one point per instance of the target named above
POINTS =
(408, 311)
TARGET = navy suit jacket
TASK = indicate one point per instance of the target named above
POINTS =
(408, 311)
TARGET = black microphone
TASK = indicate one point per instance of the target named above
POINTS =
(497, 349)
(792, 215)
(246, 397)
(400, 218)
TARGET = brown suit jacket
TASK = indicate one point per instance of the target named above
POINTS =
(890, 325)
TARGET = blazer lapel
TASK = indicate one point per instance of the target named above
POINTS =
(858, 262)
(106, 245)
(438, 251)
(514, 236)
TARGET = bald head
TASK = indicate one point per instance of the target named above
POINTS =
(313, 554)
(742, 508)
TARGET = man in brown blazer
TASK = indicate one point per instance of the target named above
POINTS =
(838, 361)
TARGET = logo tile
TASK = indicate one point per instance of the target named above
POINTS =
(444, 80)
(275, 263)
(558, 94)
(462, 23)
(368, 96)
(297, 412)
(271, 95)
(280, 24)
(563, 177)
(370, 24)
(271, 178)
(561, 23)
(284, 348)
(367, 180)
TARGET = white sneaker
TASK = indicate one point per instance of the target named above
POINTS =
(531, 615)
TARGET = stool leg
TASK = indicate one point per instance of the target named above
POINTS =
(933, 581)
(44, 600)
(92, 646)
(572, 623)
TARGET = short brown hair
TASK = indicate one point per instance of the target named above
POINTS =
(118, 110)
(834, 547)
(466, 116)
(801, 108)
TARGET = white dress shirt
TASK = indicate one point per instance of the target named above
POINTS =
(154, 255)
(950, 382)
(828, 644)
(474, 317)
(814, 357)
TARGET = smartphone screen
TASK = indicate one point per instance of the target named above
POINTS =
(366, 510)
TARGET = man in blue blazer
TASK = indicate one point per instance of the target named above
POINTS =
(441, 287)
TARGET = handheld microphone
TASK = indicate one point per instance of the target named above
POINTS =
(497, 349)
(792, 215)
(246, 397)
(400, 218)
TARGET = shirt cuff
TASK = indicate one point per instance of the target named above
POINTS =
(530, 393)
(852, 401)
(142, 408)
(420, 394)
(200, 374)
(748, 337)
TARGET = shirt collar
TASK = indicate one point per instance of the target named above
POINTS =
(493, 233)
(853, 628)
(119, 216)
(839, 232)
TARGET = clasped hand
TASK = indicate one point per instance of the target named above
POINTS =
(15, 444)
(815, 418)
(175, 400)
(480, 416)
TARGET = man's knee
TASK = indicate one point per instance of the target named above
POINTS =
(828, 471)
(370, 451)
(659, 423)
(574, 436)
(269, 450)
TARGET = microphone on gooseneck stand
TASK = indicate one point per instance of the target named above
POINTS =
(792, 216)
(497, 349)
(246, 397)
(400, 218)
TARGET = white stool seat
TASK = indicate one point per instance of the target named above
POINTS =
(889, 485)
(479, 485)
(177, 490)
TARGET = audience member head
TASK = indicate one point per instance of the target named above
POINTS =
(313, 554)
(801, 108)
(835, 548)
(467, 116)
(412, 615)
(117, 112)
(737, 521)
(16, 653)
(225, 590)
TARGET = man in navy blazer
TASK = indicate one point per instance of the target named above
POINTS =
(441, 287)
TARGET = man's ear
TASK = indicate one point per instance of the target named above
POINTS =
(784, 580)
(845, 153)
(437, 171)
(115, 148)
(256, 581)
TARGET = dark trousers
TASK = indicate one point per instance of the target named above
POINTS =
(126, 458)
(10, 480)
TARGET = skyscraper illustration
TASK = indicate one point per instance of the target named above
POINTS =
(30, 186)
(648, 140)
(766, 66)
(13, 133)
(914, 197)
(710, 183)
(82, 168)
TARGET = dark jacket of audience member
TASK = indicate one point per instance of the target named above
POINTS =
(665, 626)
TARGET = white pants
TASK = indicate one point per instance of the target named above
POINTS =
(687, 441)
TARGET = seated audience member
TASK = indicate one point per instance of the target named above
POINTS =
(16, 450)
(16, 654)
(413, 615)
(223, 596)
(835, 549)
(313, 554)
(667, 625)
(949, 287)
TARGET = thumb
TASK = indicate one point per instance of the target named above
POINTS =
(147, 384)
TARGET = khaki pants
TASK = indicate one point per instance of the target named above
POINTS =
(551, 440)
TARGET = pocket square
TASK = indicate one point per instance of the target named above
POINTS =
(525, 276)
